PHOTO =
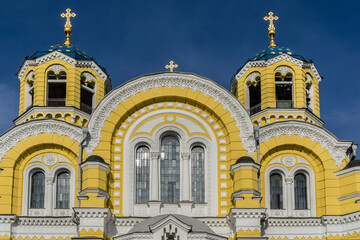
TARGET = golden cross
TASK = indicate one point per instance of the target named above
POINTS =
(68, 15)
(271, 28)
(171, 66)
(271, 19)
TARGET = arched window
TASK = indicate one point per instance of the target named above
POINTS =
(283, 88)
(254, 89)
(37, 190)
(63, 190)
(276, 191)
(197, 175)
(87, 95)
(142, 174)
(29, 90)
(170, 169)
(300, 190)
(56, 95)
(309, 92)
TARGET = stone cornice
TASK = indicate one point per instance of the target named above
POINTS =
(265, 63)
(328, 141)
(22, 131)
(56, 54)
(183, 80)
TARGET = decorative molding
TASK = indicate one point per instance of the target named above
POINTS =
(21, 132)
(57, 68)
(335, 147)
(284, 69)
(288, 161)
(50, 159)
(266, 63)
(183, 80)
(56, 54)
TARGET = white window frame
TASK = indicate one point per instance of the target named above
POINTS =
(289, 193)
(50, 190)
(210, 207)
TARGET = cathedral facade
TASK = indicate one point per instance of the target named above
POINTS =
(174, 155)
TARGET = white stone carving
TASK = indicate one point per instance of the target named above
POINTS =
(33, 128)
(55, 54)
(184, 80)
(335, 147)
(57, 68)
(284, 69)
(265, 63)
(50, 159)
(289, 161)
(252, 76)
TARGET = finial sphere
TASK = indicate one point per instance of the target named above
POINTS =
(68, 29)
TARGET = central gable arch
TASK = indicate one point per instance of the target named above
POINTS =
(182, 80)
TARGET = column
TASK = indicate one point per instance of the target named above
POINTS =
(288, 198)
(185, 178)
(154, 179)
(49, 181)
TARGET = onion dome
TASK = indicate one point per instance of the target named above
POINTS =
(269, 53)
(245, 159)
(95, 158)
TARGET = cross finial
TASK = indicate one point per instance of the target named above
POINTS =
(171, 66)
(68, 29)
(271, 28)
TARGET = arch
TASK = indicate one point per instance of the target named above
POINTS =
(253, 92)
(142, 173)
(29, 90)
(198, 173)
(183, 80)
(336, 148)
(131, 141)
(284, 87)
(87, 92)
(56, 86)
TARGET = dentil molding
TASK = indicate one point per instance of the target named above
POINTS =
(183, 80)
(35, 127)
(335, 147)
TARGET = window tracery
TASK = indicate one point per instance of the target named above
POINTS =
(87, 94)
(309, 92)
(283, 87)
(29, 90)
(254, 92)
(56, 85)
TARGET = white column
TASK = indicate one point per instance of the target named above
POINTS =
(288, 198)
(154, 179)
(185, 176)
(49, 181)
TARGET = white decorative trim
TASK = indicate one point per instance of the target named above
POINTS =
(21, 132)
(284, 69)
(56, 54)
(335, 147)
(184, 80)
(346, 171)
(57, 68)
(266, 63)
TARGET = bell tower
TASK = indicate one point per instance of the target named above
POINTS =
(61, 82)
(278, 84)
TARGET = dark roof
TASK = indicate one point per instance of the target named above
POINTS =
(95, 158)
(269, 53)
(245, 159)
(71, 51)
(353, 163)
(197, 226)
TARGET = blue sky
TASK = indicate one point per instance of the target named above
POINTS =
(209, 38)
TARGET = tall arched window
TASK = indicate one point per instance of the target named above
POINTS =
(300, 190)
(254, 88)
(142, 174)
(170, 169)
(56, 94)
(87, 95)
(29, 90)
(309, 92)
(276, 191)
(283, 88)
(197, 175)
(63, 190)
(37, 190)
